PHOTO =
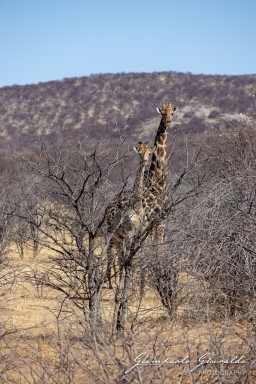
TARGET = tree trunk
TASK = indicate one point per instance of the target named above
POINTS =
(122, 299)
(94, 285)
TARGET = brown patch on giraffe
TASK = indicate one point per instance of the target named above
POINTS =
(160, 140)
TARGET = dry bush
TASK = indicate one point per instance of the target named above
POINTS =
(192, 295)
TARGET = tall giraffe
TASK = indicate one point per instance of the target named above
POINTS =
(156, 182)
(132, 207)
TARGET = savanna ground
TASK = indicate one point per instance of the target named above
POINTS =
(45, 340)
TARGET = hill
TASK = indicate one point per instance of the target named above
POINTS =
(104, 103)
(180, 300)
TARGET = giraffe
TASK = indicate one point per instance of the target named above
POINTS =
(132, 206)
(156, 182)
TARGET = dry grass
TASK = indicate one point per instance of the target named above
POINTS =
(41, 349)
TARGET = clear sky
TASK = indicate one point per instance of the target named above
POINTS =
(42, 40)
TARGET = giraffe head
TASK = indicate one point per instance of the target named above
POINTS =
(167, 111)
(144, 150)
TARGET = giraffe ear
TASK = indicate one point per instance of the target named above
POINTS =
(174, 110)
(158, 110)
(136, 149)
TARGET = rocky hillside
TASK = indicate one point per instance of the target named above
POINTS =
(104, 104)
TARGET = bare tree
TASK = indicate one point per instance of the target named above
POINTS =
(66, 203)
(215, 230)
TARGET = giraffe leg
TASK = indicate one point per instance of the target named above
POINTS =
(142, 281)
(108, 273)
(160, 233)
(110, 263)
(114, 252)
(20, 246)
(159, 237)
(152, 234)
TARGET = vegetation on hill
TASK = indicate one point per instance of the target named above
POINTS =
(104, 103)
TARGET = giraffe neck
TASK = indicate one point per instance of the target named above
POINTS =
(139, 183)
(157, 177)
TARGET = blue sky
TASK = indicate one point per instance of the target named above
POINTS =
(42, 40)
